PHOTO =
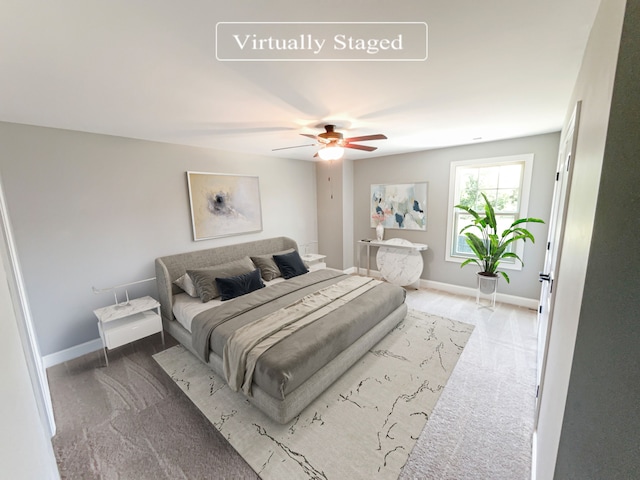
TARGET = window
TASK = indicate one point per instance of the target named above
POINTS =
(506, 183)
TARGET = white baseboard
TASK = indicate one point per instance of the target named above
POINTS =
(471, 292)
(467, 291)
(71, 353)
(94, 345)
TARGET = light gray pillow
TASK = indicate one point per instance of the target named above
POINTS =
(186, 284)
(267, 265)
(204, 279)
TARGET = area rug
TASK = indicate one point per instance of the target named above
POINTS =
(363, 426)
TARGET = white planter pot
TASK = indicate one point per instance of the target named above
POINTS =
(486, 284)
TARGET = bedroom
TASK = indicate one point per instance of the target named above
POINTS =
(80, 195)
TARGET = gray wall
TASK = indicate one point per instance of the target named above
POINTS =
(335, 212)
(347, 221)
(330, 212)
(433, 167)
(95, 210)
(594, 87)
(600, 432)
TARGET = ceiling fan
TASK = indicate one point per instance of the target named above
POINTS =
(333, 143)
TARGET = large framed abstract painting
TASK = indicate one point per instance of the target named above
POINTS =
(224, 205)
(402, 206)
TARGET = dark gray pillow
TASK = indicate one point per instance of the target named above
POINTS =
(233, 287)
(204, 279)
(267, 265)
(290, 264)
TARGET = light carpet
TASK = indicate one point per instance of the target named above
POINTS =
(363, 426)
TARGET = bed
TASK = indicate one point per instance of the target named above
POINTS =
(280, 345)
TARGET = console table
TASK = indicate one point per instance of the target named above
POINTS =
(399, 261)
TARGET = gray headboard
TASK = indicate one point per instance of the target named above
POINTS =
(172, 267)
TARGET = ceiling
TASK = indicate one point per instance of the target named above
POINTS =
(147, 69)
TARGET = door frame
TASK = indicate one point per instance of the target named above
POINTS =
(569, 134)
(33, 358)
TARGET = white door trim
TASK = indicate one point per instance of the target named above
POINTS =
(556, 236)
(30, 346)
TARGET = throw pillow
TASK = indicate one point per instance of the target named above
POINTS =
(290, 264)
(186, 284)
(205, 278)
(267, 265)
(239, 285)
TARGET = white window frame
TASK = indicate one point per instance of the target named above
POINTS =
(524, 201)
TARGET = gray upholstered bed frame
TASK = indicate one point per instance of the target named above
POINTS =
(171, 267)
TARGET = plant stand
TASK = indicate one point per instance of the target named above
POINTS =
(487, 286)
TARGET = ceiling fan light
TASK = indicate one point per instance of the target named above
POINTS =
(331, 153)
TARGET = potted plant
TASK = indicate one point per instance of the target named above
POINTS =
(490, 248)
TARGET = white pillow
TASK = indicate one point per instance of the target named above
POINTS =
(186, 284)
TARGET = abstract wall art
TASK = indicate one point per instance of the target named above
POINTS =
(402, 206)
(223, 205)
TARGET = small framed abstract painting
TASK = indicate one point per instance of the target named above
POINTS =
(223, 205)
(402, 206)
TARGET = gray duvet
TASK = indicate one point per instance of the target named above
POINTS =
(291, 361)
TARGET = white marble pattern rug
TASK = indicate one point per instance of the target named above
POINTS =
(363, 426)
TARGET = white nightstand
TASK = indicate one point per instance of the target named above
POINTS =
(127, 322)
(314, 260)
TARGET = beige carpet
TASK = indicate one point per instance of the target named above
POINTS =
(364, 426)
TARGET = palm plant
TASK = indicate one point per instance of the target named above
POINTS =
(491, 248)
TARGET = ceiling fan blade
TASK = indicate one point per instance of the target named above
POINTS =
(364, 138)
(295, 146)
(366, 148)
(309, 135)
